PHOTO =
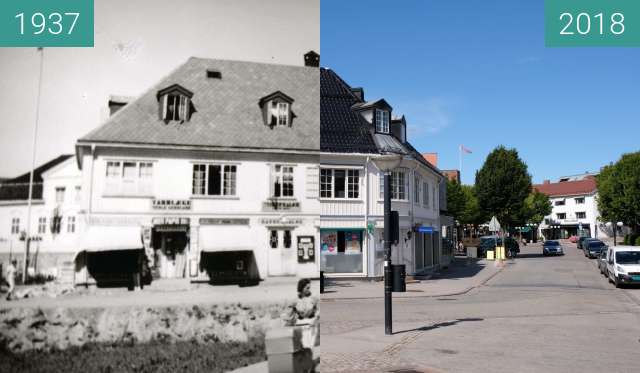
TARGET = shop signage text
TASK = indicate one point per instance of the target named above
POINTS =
(231, 221)
(170, 220)
(283, 221)
(275, 204)
(171, 204)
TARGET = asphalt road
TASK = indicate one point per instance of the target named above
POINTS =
(540, 314)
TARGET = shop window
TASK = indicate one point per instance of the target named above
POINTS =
(399, 185)
(15, 225)
(42, 225)
(214, 180)
(282, 184)
(273, 239)
(287, 239)
(339, 183)
(341, 251)
(60, 195)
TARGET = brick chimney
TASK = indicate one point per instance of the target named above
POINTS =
(546, 182)
(312, 59)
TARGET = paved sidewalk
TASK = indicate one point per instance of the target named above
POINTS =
(462, 275)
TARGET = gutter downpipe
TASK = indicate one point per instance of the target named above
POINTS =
(370, 258)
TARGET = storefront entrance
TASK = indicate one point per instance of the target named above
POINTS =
(282, 253)
(170, 244)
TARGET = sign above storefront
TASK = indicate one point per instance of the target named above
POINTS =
(281, 221)
(277, 204)
(423, 229)
(170, 220)
(171, 204)
(218, 221)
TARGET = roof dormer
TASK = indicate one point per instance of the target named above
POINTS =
(377, 113)
(175, 104)
(276, 109)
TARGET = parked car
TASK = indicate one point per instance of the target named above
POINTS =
(592, 248)
(581, 241)
(552, 247)
(602, 263)
(623, 265)
(489, 243)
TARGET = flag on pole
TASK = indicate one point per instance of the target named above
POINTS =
(468, 151)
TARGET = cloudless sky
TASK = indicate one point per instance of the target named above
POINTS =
(478, 73)
(136, 44)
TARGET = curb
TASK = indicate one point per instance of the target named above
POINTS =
(465, 291)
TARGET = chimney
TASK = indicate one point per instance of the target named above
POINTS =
(546, 182)
(116, 103)
(312, 59)
(358, 92)
(431, 158)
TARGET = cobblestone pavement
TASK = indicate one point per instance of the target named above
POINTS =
(541, 314)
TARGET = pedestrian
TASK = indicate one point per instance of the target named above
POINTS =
(11, 278)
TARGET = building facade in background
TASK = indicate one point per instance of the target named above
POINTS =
(353, 133)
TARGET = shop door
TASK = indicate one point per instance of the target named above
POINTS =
(171, 253)
(282, 254)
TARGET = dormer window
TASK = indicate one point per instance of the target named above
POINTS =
(382, 121)
(175, 104)
(176, 107)
(281, 112)
(276, 109)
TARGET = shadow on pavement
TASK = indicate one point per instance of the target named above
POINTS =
(440, 325)
(460, 268)
(531, 255)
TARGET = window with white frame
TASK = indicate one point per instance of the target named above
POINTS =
(78, 189)
(282, 181)
(382, 121)
(175, 107)
(281, 112)
(581, 215)
(15, 225)
(579, 200)
(399, 185)
(416, 189)
(60, 195)
(425, 194)
(42, 225)
(561, 216)
(129, 178)
(71, 224)
(339, 183)
(434, 197)
(559, 202)
(214, 179)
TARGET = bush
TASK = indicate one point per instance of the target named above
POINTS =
(637, 241)
(626, 239)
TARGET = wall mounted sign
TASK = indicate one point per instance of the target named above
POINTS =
(275, 204)
(281, 221)
(424, 229)
(170, 220)
(306, 249)
(171, 204)
(223, 221)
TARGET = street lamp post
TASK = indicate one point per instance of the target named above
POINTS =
(386, 163)
(614, 227)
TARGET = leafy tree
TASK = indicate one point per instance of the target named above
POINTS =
(471, 213)
(536, 206)
(619, 191)
(502, 184)
(455, 199)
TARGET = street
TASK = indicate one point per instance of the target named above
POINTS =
(540, 314)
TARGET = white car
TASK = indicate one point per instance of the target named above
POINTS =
(623, 265)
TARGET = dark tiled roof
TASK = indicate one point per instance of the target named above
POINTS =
(341, 129)
(227, 109)
(568, 188)
(18, 187)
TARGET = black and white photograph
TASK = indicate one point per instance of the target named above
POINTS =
(159, 192)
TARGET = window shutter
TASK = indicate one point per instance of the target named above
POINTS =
(163, 107)
(313, 182)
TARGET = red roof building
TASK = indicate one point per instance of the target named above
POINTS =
(568, 188)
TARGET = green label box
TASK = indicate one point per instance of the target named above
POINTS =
(46, 23)
(592, 23)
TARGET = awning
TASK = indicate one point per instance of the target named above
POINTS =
(108, 238)
(226, 238)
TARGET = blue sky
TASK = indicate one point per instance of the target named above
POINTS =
(478, 74)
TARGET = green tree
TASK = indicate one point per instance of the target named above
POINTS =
(502, 184)
(471, 213)
(619, 191)
(455, 199)
(536, 206)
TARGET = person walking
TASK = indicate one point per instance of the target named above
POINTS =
(11, 278)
